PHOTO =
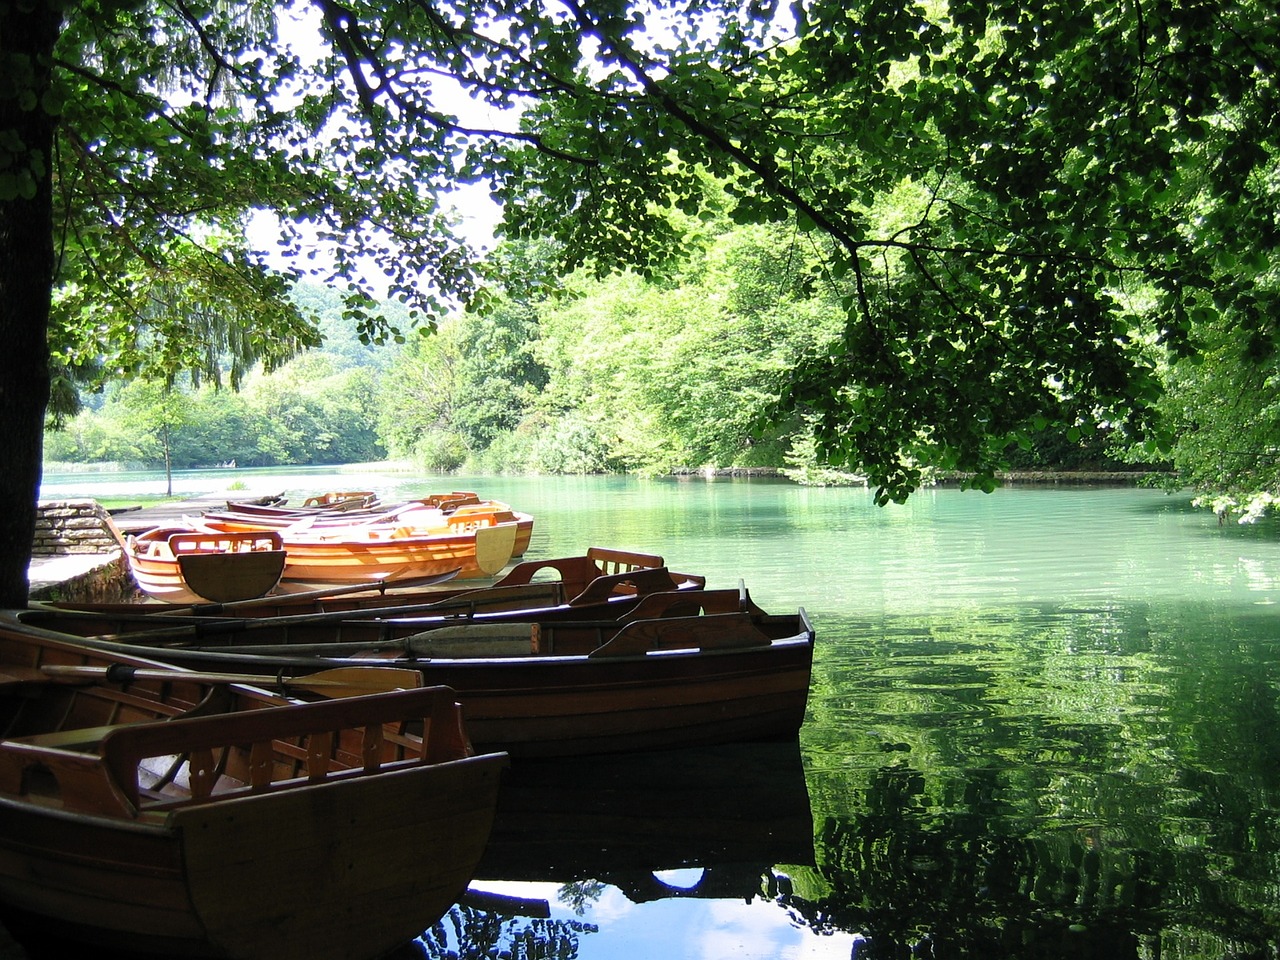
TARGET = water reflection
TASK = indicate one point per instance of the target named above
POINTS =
(579, 844)
(614, 817)
(1050, 782)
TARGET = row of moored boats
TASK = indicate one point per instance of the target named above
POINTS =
(335, 539)
(312, 769)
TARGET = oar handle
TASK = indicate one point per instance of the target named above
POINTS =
(120, 673)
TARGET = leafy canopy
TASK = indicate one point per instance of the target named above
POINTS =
(1075, 187)
(1022, 209)
(177, 124)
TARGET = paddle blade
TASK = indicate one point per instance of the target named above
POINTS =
(355, 681)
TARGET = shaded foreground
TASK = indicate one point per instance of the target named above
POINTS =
(180, 817)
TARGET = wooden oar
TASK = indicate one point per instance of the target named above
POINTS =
(338, 682)
(380, 587)
(469, 640)
(197, 628)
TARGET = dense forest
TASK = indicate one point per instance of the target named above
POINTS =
(612, 374)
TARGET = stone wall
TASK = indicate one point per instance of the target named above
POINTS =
(66, 527)
(77, 554)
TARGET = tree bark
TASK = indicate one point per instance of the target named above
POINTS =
(28, 32)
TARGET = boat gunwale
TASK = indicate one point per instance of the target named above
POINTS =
(804, 637)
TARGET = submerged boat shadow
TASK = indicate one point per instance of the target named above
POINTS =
(623, 818)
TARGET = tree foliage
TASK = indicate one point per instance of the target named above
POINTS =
(1082, 187)
(1054, 165)
(204, 312)
(1222, 411)
(177, 123)
(312, 411)
(679, 373)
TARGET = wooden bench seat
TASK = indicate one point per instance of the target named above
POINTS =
(77, 739)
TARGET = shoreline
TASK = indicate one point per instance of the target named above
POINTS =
(1043, 477)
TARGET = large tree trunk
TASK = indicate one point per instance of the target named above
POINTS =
(28, 32)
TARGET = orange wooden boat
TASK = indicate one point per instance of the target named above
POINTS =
(476, 542)
(179, 565)
(181, 815)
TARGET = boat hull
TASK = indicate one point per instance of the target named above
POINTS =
(314, 562)
(477, 549)
(583, 706)
(699, 683)
(185, 567)
(259, 876)
(418, 539)
(182, 815)
(602, 574)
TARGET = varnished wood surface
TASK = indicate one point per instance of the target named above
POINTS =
(285, 828)
(703, 686)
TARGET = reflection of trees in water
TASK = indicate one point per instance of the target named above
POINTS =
(1051, 782)
(921, 882)
(579, 894)
(471, 933)
(468, 933)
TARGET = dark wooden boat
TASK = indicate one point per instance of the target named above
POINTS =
(601, 574)
(660, 676)
(509, 614)
(178, 565)
(454, 628)
(343, 500)
(185, 816)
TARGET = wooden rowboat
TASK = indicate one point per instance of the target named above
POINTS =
(478, 544)
(188, 817)
(603, 576)
(553, 687)
(179, 565)
(339, 508)
(425, 514)
(420, 630)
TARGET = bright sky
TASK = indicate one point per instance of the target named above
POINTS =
(299, 27)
